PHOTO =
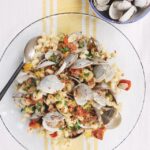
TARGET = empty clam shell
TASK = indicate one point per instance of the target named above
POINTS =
(82, 93)
(99, 72)
(69, 60)
(45, 64)
(102, 2)
(127, 15)
(108, 114)
(122, 5)
(51, 120)
(97, 61)
(22, 76)
(50, 84)
(115, 122)
(102, 8)
(114, 13)
(99, 99)
(141, 3)
(81, 63)
(109, 72)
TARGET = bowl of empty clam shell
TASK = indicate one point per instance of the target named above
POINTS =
(120, 11)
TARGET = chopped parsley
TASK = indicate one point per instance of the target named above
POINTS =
(89, 55)
(86, 74)
(53, 58)
(64, 50)
(81, 44)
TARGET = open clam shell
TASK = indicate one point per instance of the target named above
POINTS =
(99, 72)
(45, 64)
(99, 99)
(102, 8)
(127, 15)
(122, 5)
(82, 93)
(114, 13)
(81, 63)
(141, 3)
(103, 71)
(69, 60)
(51, 120)
(22, 76)
(108, 114)
(117, 9)
(50, 84)
(115, 121)
(102, 2)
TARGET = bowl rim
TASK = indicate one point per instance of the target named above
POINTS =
(90, 15)
(98, 13)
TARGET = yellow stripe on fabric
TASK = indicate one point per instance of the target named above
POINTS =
(94, 24)
(45, 141)
(43, 15)
(65, 24)
(87, 18)
(94, 27)
(69, 5)
(51, 12)
(74, 144)
(95, 144)
(88, 144)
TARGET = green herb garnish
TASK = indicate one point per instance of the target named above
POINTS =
(64, 50)
(86, 74)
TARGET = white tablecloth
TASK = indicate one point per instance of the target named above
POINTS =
(16, 14)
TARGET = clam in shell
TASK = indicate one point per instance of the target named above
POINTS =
(110, 117)
(102, 2)
(127, 15)
(102, 8)
(117, 9)
(22, 76)
(82, 93)
(51, 120)
(141, 3)
(69, 60)
(81, 63)
(50, 84)
(122, 5)
(45, 64)
(103, 71)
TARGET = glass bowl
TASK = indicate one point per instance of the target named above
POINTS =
(112, 39)
(104, 15)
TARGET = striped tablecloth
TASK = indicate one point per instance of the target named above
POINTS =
(62, 6)
(17, 14)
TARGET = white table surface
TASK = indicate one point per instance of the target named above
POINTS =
(16, 14)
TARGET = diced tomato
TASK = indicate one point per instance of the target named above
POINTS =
(124, 84)
(72, 46)
(34, 124)
(81, 111)
(53, 135)
(29, 102)
(71, 108)
(76, 71)
(99, 133)
(66, 40)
